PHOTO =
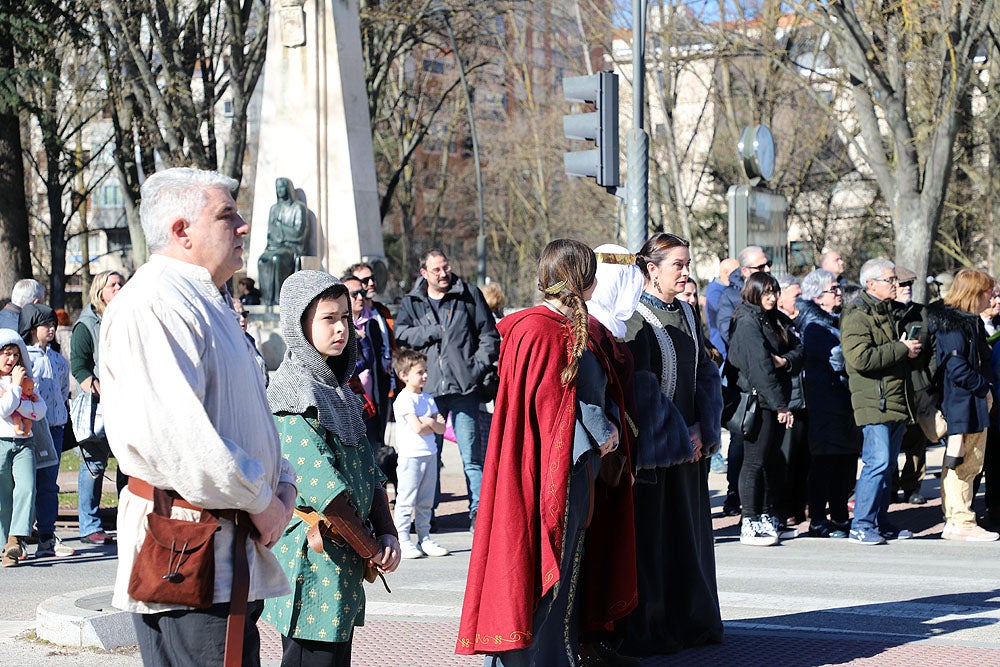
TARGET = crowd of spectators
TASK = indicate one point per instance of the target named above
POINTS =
(587, 426)
(845, 372)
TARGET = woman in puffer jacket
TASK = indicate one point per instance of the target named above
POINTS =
(834, 438)
(767, 355)
(963, 358)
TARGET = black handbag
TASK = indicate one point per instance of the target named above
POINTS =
(745, 418)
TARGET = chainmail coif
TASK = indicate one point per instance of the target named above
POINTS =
(305, 379)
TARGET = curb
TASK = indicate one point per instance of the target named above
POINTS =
(84, 619)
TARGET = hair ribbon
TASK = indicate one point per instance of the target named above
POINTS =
(616, 258)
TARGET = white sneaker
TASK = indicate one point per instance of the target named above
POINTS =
(752, 533)
(432, 548)
(409, 551)
(53, 547)
(63, 551)
(964, 533)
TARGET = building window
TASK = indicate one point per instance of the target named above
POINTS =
(433, 66)
(118, 239)
(110, 196)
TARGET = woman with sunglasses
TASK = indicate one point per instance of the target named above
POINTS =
(369, 378)
(767, 355)
(85, 367)
(243, 319)
(678, 410)
(834, 438)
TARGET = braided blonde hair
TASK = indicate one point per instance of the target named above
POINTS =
(565, 269)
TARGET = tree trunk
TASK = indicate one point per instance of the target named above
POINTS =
(57, 229)
(914, 230)
(13, 206)
(16, 262)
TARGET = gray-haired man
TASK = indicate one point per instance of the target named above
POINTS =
(25, 291)
(879, 360)
(186, 411)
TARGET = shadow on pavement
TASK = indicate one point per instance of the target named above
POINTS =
(841, 636)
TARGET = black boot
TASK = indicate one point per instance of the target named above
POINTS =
(731, 505)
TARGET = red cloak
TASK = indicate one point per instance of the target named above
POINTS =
(520, 524)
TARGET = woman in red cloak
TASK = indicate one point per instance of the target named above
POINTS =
(529, 579)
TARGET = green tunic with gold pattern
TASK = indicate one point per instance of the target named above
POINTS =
(328, 597)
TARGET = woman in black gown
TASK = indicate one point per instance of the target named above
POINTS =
(679, 404)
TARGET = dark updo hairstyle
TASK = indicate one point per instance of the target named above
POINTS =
(656, 248)
(754, 288)
(565, 269)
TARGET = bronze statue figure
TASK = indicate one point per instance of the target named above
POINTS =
(287, 231)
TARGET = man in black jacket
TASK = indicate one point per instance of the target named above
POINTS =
(449, 321)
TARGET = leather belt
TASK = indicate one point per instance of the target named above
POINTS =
(236, 621)
(145, 490)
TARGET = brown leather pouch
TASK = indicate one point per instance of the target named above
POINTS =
(341, 514)
(176, 563)
(347, 524)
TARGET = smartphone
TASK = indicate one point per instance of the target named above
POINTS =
(913, 333)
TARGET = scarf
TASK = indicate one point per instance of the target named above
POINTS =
(363, 318)
(617, 293)
(305, 379)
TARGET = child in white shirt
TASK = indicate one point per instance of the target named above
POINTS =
(417, 420)
(17, 453)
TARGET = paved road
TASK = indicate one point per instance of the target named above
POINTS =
(807, 602)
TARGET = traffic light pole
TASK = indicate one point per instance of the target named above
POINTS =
(481, 236)
(637, 183)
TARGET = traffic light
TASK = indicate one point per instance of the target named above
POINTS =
(600, 126)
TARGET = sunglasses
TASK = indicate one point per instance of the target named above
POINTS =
(356, 293)
(833, 290)
(366, 280)
(761, 267)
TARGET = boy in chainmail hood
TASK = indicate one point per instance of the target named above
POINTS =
(328, 546)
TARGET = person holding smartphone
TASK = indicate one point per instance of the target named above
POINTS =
(879, 358)
(913, 322)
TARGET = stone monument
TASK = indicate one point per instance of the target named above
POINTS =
(315, 130)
